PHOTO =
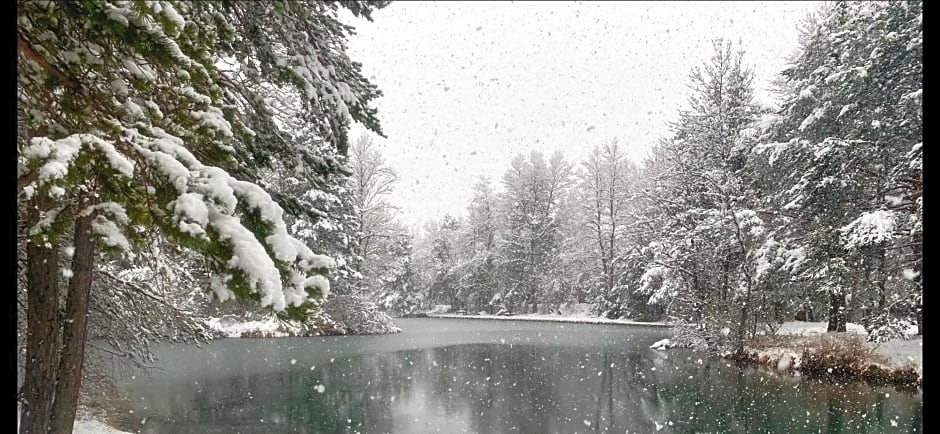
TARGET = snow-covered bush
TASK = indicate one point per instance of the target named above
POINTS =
(440, 308)
(885, 327)
(355, 316)
(396, 303)
(709, 337)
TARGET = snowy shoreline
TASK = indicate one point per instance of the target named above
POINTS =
(900, 353)
(551, 318)
(895, 359)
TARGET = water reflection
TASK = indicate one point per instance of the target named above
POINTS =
(535, 379)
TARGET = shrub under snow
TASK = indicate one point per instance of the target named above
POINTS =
(355, 316)
(883, 328)
(339, 315)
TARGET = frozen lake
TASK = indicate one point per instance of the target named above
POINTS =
(452, 376)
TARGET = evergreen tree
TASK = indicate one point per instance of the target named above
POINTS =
(148, 118)
(706, 257)
(405, 293)
(444, 285)
(849, 144)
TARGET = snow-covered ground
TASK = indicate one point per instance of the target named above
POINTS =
(94, 426)
(898, 352)
(802, 328)
(84, 425)
(576, 318)
(901, 352)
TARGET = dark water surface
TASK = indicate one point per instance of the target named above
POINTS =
(454, 376)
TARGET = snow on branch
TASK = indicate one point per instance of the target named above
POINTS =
(876, 227)
(207, 198)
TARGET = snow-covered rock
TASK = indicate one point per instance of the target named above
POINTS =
(784, 363)
(663, 345)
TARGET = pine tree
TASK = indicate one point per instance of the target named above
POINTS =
(850, 140)
(444, 254)
(148, 118)
(705, 259)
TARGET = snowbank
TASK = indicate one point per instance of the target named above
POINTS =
(901, 352)
(83, 425)
(94, 426)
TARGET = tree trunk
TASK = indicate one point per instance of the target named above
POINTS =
(745, 311)
(836, 313)
(808, 314)
(882, 282)
(697, 304)
(739, 345)
(918, 250)
(723, 295)
(74, 329)
(42, 327)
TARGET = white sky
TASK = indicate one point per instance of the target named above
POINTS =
(467, 85)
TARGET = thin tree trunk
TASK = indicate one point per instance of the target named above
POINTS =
(739, 345)
(919, 307)
(613, 229)
(697, 310)
(882, 281)
(74, 329)
(42, 327)
(745, 308)
(836, 313)
(723, 295)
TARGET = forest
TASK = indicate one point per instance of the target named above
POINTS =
(744, 215)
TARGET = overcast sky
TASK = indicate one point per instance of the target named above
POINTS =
(467, 85)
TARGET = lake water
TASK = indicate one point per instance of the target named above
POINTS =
(454, 376)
